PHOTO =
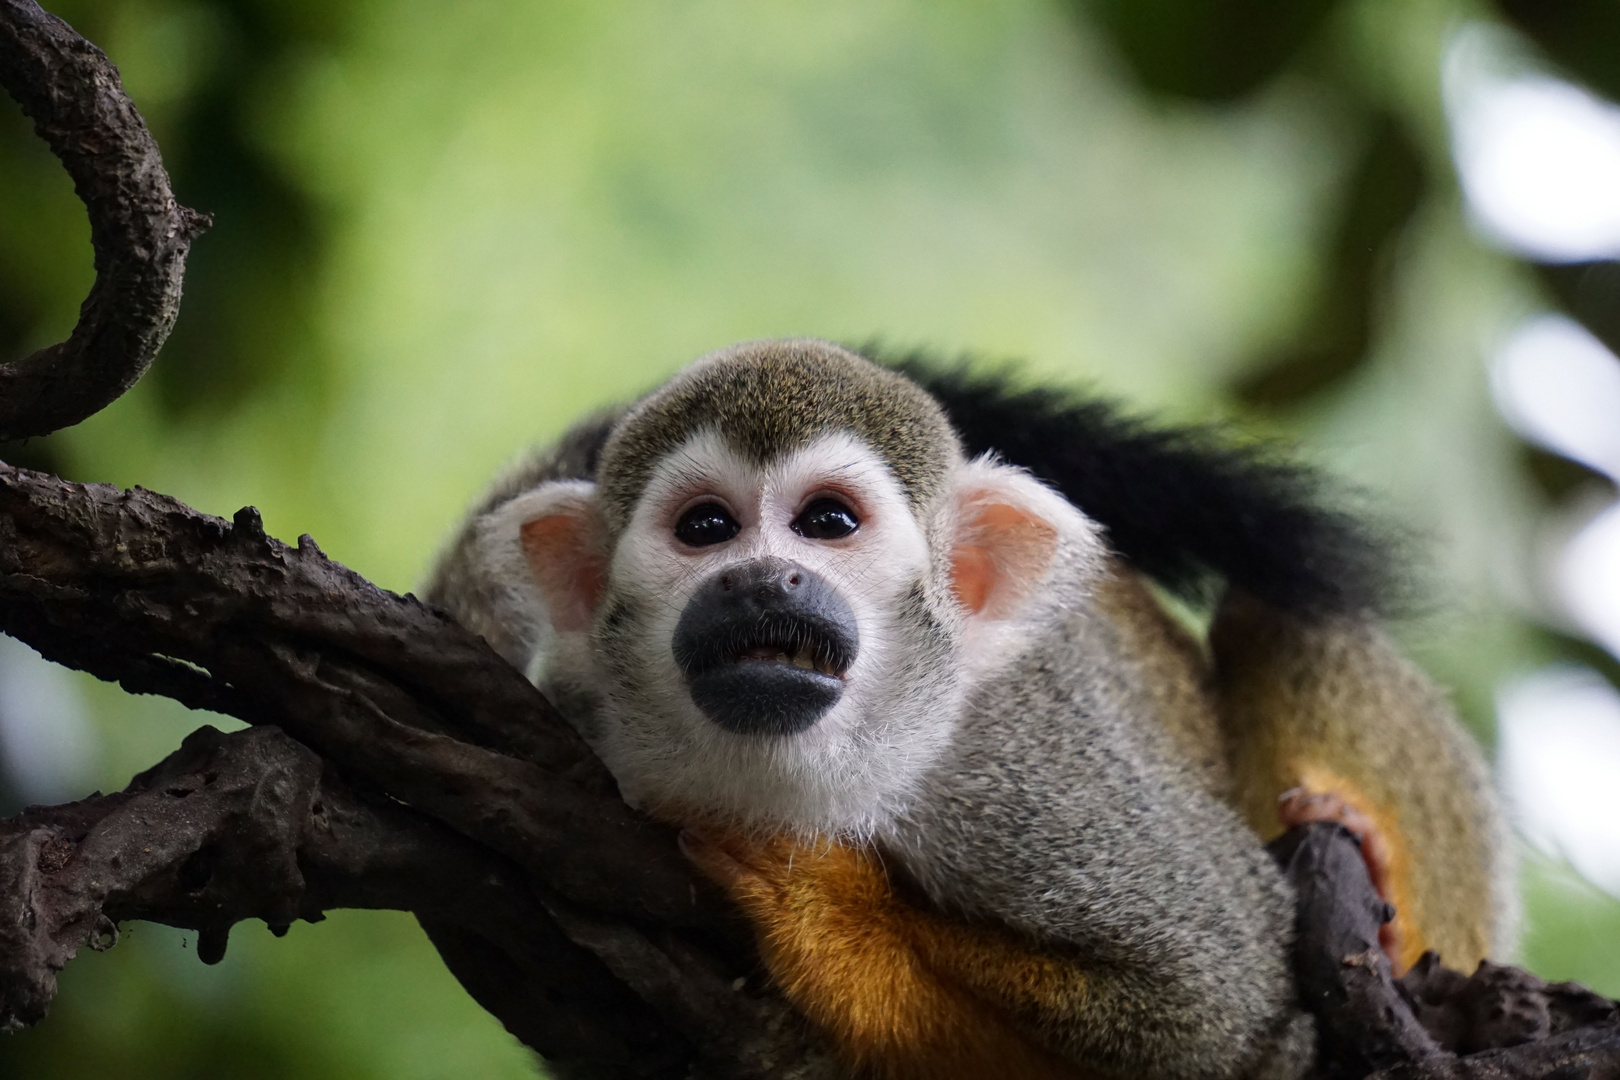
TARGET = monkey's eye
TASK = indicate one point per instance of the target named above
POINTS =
(825, 519)
(705, 524)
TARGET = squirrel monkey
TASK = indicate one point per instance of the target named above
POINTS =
(991, 810)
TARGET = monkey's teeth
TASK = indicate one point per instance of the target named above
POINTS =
(805, 659)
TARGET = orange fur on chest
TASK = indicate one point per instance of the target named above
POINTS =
(904, 992)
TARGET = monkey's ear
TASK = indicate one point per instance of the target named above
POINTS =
(1007, 527)
(563, 540)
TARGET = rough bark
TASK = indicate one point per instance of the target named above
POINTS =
(139, 232)
(136, 588)
(255, 825)
(397, 761)
(1500, 1023)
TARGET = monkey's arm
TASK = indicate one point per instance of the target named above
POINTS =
(909, 993)
(1330, 714)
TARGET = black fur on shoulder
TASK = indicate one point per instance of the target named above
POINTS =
(1188, 506)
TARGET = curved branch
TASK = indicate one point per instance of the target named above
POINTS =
(141, 235)
(254, 825)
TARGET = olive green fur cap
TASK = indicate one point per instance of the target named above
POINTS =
(767, 398)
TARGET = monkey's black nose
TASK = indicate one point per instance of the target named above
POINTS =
(764, 646)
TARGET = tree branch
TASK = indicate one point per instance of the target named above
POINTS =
(1433, 1023)
(254, 825)
(136, 587)
(140, 233)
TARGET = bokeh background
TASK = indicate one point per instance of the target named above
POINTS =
(1385, 230)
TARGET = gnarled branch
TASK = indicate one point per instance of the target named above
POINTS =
(1433, 1023)
(137, 588)
(255, 825)
(139, 232)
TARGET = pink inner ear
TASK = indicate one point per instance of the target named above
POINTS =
(1003, 554)
(567, 561)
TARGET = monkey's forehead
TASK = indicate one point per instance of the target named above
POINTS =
(771, 397)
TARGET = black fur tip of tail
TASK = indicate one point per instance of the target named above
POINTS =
(1192, 507)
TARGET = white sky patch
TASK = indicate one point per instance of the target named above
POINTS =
(1588, 579)
(47, 747)
(1538, 157)
(1559, 387)
(1559, 732)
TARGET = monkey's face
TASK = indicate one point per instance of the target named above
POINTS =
(788, 642)
(773, 590)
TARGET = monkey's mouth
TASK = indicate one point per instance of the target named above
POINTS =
(772, 676)
(820, 658)
(791, 640)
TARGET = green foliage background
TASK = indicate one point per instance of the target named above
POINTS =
(444, 230)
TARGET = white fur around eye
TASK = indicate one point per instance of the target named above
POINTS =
(856, 767)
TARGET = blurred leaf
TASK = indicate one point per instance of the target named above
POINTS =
(359, 996)
(1570, 922)
(1212, 50)
(1556, 476)
(251, 280)
(41, 455)
(1385, 190)
(1590, 292)
(192, 1045)
(162, 1028)
(1582, 35)
(1570, 649)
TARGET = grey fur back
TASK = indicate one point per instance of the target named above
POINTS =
(1061, 811)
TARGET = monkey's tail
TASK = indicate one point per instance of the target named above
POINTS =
(1192, 507)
